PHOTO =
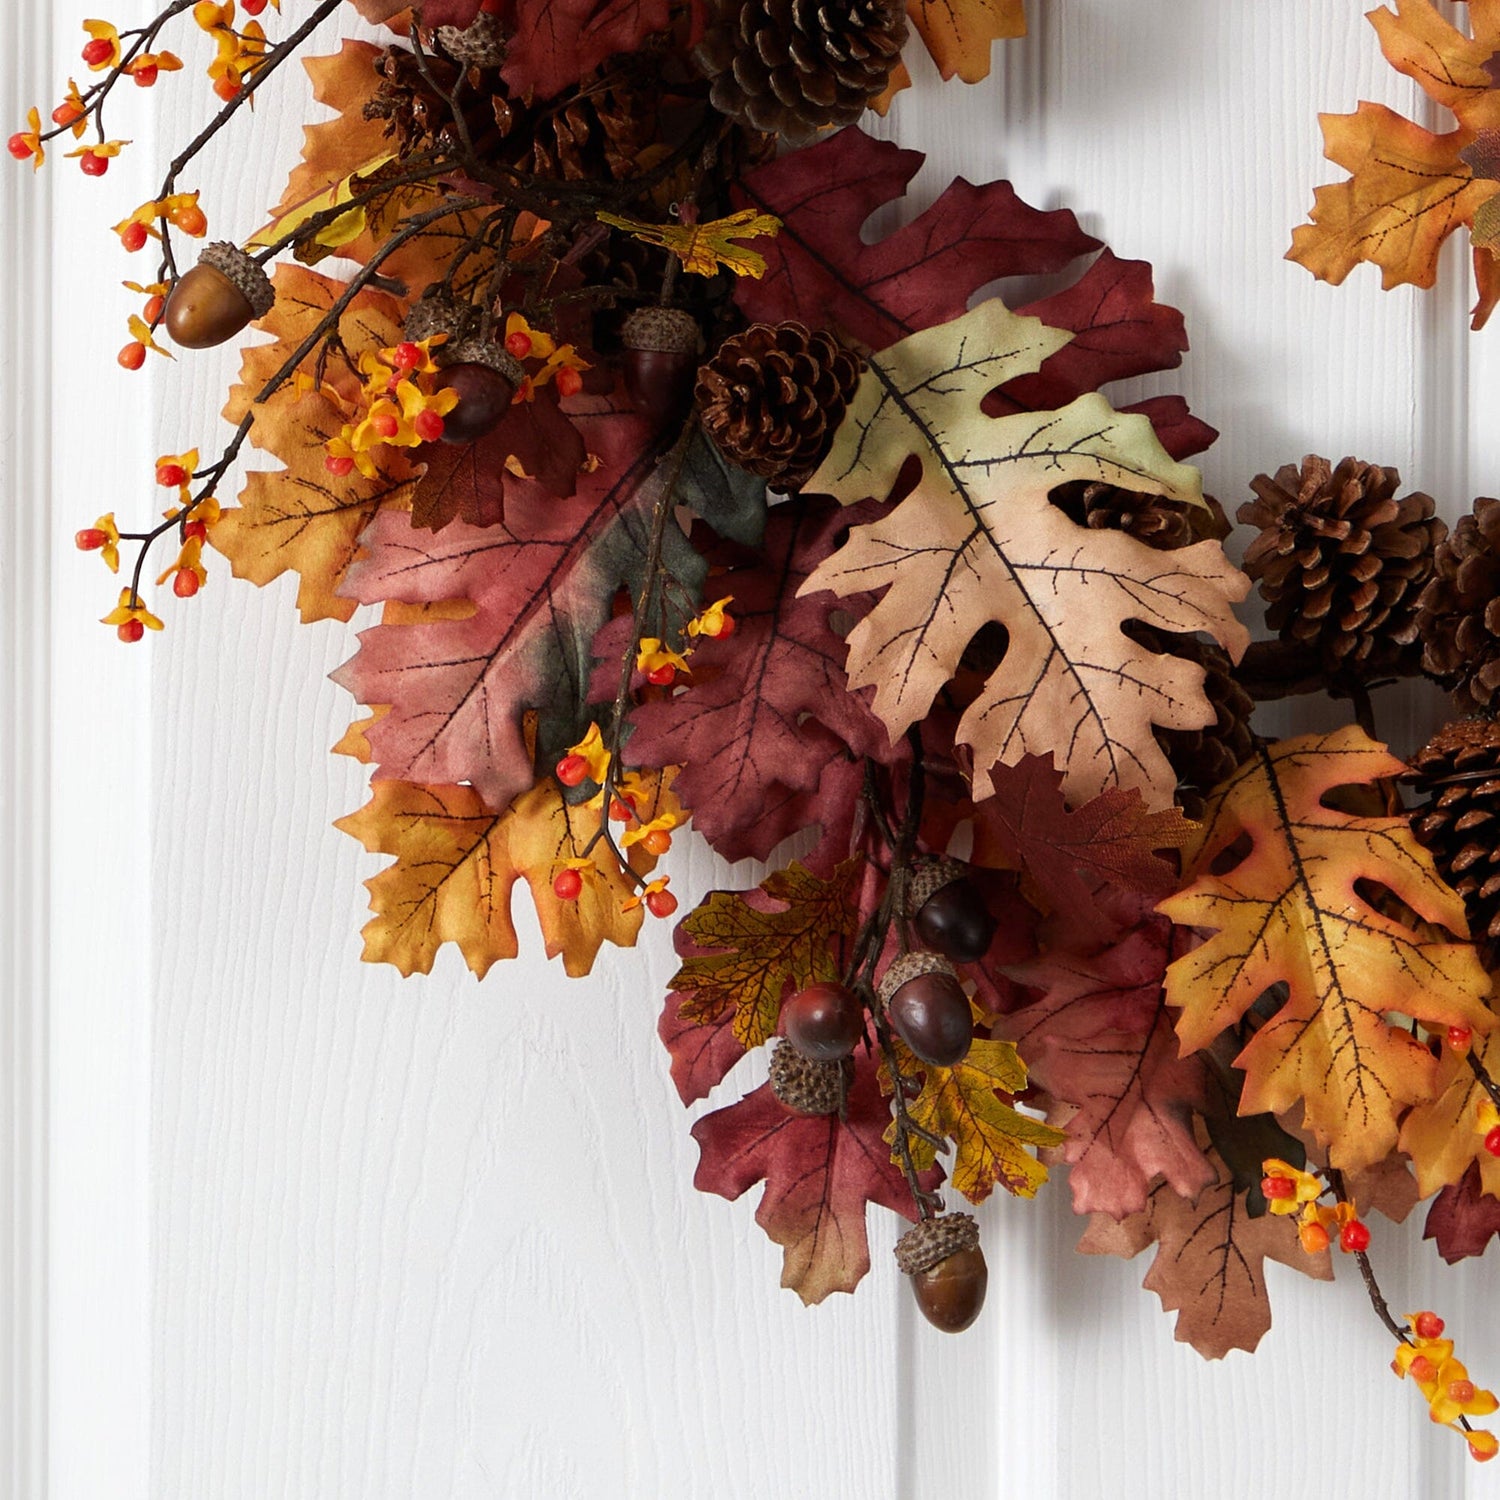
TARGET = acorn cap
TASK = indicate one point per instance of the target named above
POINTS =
(484, 352)
(928, 878)
(930, 1241)
(909, 966)
(479, 45)
(242, 271)
(810, 1088)
(668, 330)
(437, 311)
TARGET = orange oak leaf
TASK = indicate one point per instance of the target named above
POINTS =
(1291, 889)
(1210, 1259)
(977, 539)
(752, 947)
(299, 518)
(819, 1170)
(969, 1104)
(1442, 1136)
(958, 33)
(457, 864)
(1409, 187)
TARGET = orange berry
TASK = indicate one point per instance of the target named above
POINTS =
(429, 426)
(620, 811)
(132, 356)
(146, 76)
(568, 886)
(661, 903)
(385, 424)
(726, 628)
(1314, 1238)
(90, 539)
(1484, 1452)
(93, 165)
(228, 87)
(133, 236)
(154, 308)
(1459, 1037)
(169, 476)
(66, 113)
(1429, 1326)
(1354, 1237)
(194, 531)
(19, 147)
(185, 584)
(1278, 1188)
(657, 842)
(191, 220)
(1461, 1390)
(338, 466)
(572, 770)
(97, 51)
(569, 382)
(1422, 1368)
(130, 631)
(517, 344)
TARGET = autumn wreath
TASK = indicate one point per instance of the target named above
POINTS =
(673, 498)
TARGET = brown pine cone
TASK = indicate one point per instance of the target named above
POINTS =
(773, 396)
(1459, 617)
(1457, 773)
(1153, 519)
(1341, 562)
(799, 66)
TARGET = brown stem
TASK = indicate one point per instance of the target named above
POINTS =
(1366, 1271)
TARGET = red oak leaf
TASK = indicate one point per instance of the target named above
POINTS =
(1100, 1042)
(702, 1052)
(819, 1173)
(1463, 1218)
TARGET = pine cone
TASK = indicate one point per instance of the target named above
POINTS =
(1153, 519)
(773, 396)
(1204, 757)
(798, 66)
(1459, 618)
(1457, 773)
(1341, 562)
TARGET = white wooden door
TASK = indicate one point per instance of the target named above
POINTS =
(284, 1227)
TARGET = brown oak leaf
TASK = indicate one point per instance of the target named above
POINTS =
(1463, 1218)
(958, 33)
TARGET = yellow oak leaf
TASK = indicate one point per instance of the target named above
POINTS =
(978, 540)
(457, 864)
(704, 248)
(1302, 904)
(750, 948)
(992, 1142)
(1441, 1137)
(300, 518)
(958, 33)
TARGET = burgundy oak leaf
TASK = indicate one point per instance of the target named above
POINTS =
(1463, 1218)
(702, 1052)
(819, 1173)
(555, 43)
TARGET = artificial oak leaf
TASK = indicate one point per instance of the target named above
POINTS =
(992, 1142)
(1295, 908)
(1209, 1263)
(1068, 855)
(958, 33)
(703, 248)
(702, 1053)
(555, 43)
(1099, 1041)
(978, 540)
(752, 713)
(1442, 1135)
(752, 947)
(1463, 1218)
(819, 1170)
(299, 518)
(822, 273)
(457, 864)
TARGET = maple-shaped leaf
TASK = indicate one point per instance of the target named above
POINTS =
(1441, 1135)
(1291, 889)
(752, 947)
(977, 539)
(769, 704)
(299, 518)
(1463, 1218)
(819, 1170)
(457, 864)
(992, 1141)
(1067, 855)
(958, 33)
(1100, 1042)
(1210, 1259)
(1409, 187)
(542, 583)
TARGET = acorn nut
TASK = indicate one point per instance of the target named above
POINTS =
(660, 361)
(823, 1022)
(927, 1006)
(947, 1269)
(486, 379)
(949, 911)
(215, 299)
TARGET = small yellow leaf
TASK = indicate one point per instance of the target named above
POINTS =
(704, 248)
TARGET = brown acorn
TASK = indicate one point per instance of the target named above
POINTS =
(486, 379)
(927, 1005)
(660, 361)
(949, 911)
(807, 1087)
(214, 300)
(824, 1021)
(947, 1270)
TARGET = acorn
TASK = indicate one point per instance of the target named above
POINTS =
(927, 1006)
(486, 379)
(481, 44)
(947, 1270)
(807, 1087)
(950, 913)
(437, 311)
(660, 361)
(218, 297)
(823, 1022)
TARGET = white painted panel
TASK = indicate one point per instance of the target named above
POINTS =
(322, 1233)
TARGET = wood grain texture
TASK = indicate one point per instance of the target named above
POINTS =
(438, 1239)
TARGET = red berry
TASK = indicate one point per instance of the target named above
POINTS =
(726, 627)
(407, 355)
(228, 87)
(338, 466)
(657, 842)
(1461, 1390)
(93, 165)
(1492, 1141)
(661, 903)
(568, 886)
(130, 632)
(429, 425)
(19, 147)
(154, 308)
(1459, 1037)
(569, 382)
(1278, 1188)
(1484, 1455)
(90, 539)
(253, 7)
(145, 77)
(194, 531)
(132, 356)
(97, 51)
(1429, 1326)
(572, 770)
(662, 675)
(620, 811)
(1354, 1237)
(1422, 1368)
(517, 344)
(133, 236)
(169, 476)
(66, 113)
(385, 424)
(185, 584)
